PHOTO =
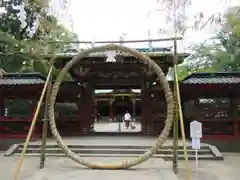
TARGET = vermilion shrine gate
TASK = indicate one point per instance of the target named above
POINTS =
(211, 98)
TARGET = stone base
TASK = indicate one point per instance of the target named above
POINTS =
(225, 145)
(6, 143)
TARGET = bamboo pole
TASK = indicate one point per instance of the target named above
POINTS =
(45, 124)
(175, 123)
(15, 177)
(182, 124)
(46, 117)
(178, 99)
(175, 136)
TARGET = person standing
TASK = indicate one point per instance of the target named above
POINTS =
(127, 119)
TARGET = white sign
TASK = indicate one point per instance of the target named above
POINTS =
(196, 143)
(196, 129)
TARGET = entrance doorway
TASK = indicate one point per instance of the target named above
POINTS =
(120, 106)
(110, 108)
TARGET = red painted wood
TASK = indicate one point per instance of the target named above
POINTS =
(236, 132)
(17, 136)
(15, 119)
(1, 104)
(221, 137)
(111, 112)
(238, 123)
(216, 120)
(147, 114)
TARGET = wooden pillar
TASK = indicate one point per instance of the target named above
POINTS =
(95, 111)
(89, 110)
(86, 109)
(79, 105)
(134, 109)
(1, 104)
(111, 116)
(147, 115)
(235, 116)
(144, 111)
(38, 127)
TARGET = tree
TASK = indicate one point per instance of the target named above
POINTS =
(19, 18)
(25, 35)
(223, 52)
(176, 13)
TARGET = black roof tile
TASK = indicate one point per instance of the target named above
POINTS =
(194, 78)
(213, 78)
(22, 79)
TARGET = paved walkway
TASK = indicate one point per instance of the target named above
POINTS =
(155, 169)
(65, 169)
(114, 127)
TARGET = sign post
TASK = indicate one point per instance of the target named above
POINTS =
(196, 135)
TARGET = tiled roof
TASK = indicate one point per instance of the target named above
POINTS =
(153, 52)
(22, 79)
(213, 78)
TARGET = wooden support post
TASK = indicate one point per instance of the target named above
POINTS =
(175, 135)
(235, 116)
(87, 109)
(45, 124)
(175, 122)
(180, 113)
(111, 117)
(1, 104)
(46, 118)
(134, 109)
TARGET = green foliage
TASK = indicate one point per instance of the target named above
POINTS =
(223, 54)
(185, 70)
(19, 50)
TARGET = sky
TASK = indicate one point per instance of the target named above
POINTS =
(95, 20)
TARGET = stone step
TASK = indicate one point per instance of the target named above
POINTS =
(100, 146)
(112, 151)
(165, 157)
(109, 149)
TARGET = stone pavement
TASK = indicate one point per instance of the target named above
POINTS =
(65, 169)
(114, 127)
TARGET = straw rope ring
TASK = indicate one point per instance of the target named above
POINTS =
(126, 163)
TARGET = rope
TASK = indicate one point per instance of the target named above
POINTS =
(32, 125)
(126, 163)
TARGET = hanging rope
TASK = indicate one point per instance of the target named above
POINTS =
(32, 125)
